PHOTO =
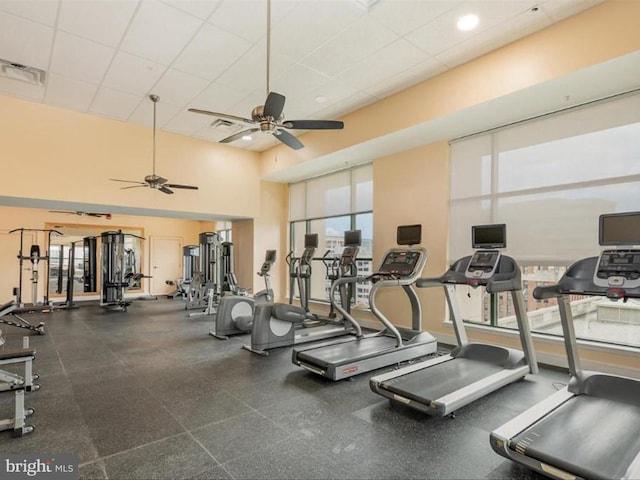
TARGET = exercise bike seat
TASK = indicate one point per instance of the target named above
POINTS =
(289, 313)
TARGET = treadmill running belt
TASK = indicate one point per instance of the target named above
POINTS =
(441, 379)
(592, 437)
(338, 353)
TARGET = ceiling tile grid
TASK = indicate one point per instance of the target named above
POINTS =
(328, 57)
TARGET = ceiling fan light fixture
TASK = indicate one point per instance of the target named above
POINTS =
(155, 181)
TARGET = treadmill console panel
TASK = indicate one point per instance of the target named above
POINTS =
(618, 269)
(400, 263)
(482, 264)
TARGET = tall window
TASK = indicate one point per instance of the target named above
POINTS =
(329, 206)
(549, 179)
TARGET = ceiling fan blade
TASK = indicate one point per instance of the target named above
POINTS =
(314, 124)
(222, 115)
(164, 189)
(142, 185)
(126, 181)
(238, 135)
(185, 187)
(274, 105)
(288, 139)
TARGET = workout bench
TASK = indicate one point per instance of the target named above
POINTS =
(19, 384)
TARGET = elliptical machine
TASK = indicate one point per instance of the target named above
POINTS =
(344, 266)
(281, 325)
(302, 269)
(235, 312)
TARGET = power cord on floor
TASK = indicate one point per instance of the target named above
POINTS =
(559, 385)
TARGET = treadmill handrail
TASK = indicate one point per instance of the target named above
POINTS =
(547, 291)
(332, 299)
(429, 282)
(405, 282)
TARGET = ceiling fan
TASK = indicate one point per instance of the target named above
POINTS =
(153, 180)
(83, 214)
(269, 117)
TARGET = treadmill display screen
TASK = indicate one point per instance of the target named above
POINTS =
(489, 236)
(409, 235)
(620, 229)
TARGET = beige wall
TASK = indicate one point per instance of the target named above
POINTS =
(15, 217)
(413, 187)
(70, 156)
(270, 232)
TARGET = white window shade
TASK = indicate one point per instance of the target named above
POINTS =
(548, 180)
(341, 193)
(362, 188)
(471, 167)
(297, 201)
(329, 195)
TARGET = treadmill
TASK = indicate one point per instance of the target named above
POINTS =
(363, 353)
(441, 385)
(591, 428)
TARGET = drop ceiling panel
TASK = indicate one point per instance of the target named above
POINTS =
(132, 74)
(405, 79)
(248, 18)
(351, 104)
(310, 25)
(211, 52)
(389, 61)
(143, 114)
(114, 104)
(405, 16)
(36, 10)
(249, 71)
(179, 88)
(305, 105)
(187, 123)
(24, 41)
(493, 38)
(298, 80)
(198, 8)
(69, 92)
(159, 32)
(103, 21)
(350, 46)
(219, 98)
(79, 58)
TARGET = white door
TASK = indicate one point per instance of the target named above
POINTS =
(166, 263)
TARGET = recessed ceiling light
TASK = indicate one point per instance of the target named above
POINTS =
(468, 22)
(321, 99)
(247, 137)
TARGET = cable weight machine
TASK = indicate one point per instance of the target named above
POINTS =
(35, 258)
(118, 271)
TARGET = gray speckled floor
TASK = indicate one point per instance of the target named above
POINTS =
(147, 394)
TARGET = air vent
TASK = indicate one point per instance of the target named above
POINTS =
(22, 73)
(225, 126)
